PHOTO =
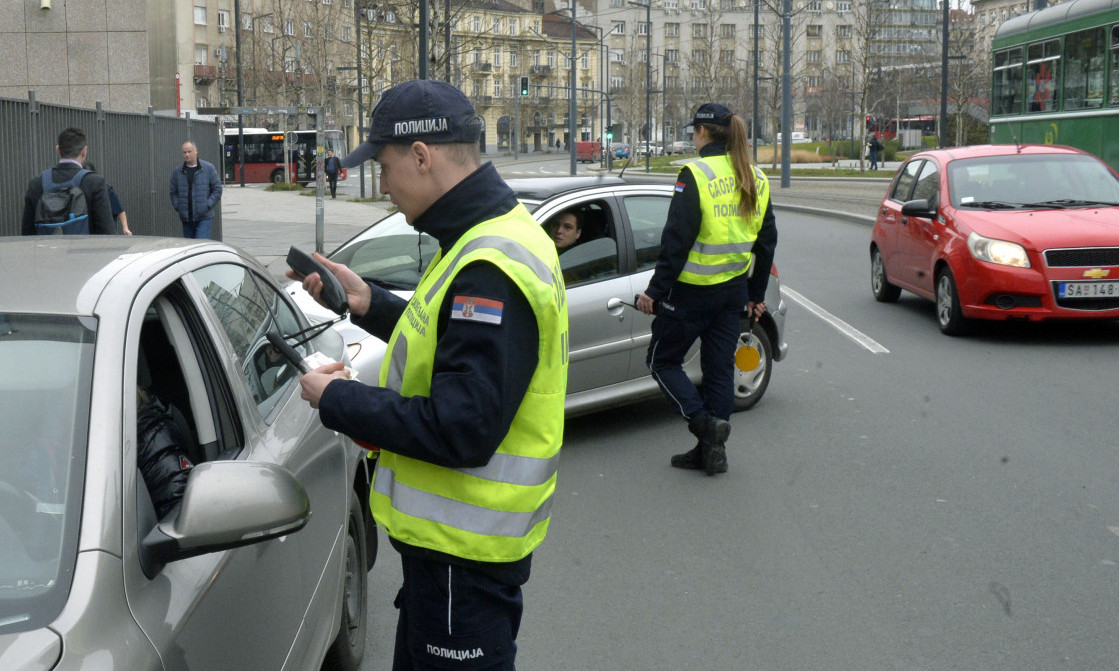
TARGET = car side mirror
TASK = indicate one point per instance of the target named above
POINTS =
(918, 208)
(226, 505)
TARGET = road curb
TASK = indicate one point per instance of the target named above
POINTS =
(828, 214)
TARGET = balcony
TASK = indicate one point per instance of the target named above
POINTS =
(540, 70)
(205, 73)
(481, 67)
(484, 100)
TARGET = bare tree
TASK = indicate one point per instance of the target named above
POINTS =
(871, 18)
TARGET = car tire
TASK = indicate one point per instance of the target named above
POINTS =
(277, 176)
(348, 648)
(948, 315)
(884, 292)
(750, 386)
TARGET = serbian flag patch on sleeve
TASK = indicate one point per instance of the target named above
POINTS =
(679, 187)
(475, 309)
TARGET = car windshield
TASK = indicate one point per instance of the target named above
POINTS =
(44, 418)
(391, 253)
(1039, 181)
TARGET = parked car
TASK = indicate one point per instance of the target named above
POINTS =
(621, 150)
(612, 262)
(588, 152)
(797, 137)
(680, 147)
(262, 563)
(1001, 232)
(643, 148)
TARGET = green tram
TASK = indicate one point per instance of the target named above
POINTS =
(1055, 78)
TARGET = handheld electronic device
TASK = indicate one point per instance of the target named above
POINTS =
(332, 292)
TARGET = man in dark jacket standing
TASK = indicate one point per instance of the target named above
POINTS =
(72, 150)
(195, 192)
(332, 166)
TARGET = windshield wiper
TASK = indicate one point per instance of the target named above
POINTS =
(1069, 202)
(992, 205)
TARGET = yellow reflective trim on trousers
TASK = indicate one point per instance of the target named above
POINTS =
(458, 514)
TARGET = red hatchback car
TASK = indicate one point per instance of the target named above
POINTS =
(1001, 232)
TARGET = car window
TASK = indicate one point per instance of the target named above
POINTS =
(392, 253)
(45, 394)
(594, 256)
(647, 216)
(928, 183)
(248, 308)
(904, 183)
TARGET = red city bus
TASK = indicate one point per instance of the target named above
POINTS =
(264, 154)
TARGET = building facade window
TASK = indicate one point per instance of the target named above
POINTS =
(672, 30)
(699, 30)
(843, 31)
(814, 30)
(199, 16)
(618, 28)
(726, 31)
(200, 54)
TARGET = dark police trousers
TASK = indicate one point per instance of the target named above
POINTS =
(453, 617)
(716, 326)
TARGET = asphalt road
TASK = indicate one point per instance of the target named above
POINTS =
(899, 500)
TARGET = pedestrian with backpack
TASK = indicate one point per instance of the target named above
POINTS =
(195, 192)
(68, 198)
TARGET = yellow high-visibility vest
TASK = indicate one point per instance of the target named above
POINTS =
(498, 512)
(722, 249)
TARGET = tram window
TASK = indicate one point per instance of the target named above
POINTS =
(1043, 74)
(1114, 99)
(1084, 69)
(1008, 81)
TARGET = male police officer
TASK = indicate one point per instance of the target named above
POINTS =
(469, 408)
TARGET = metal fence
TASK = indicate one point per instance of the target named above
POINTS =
(134, 152)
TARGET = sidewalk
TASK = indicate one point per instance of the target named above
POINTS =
(266, 223)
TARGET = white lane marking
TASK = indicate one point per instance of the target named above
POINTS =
(837, 323)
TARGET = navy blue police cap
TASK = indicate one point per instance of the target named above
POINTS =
(712, 113)
(420, 110)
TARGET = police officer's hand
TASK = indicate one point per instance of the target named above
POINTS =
(357, 291)
(315, 382)
(756, 310)
(645, 304)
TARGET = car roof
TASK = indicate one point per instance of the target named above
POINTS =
(543, 188)
(61, 274)
(982, 150)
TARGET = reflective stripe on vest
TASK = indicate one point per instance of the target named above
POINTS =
(722, 250)
(498, 512)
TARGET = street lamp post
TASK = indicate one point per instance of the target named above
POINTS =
(648, 5)
(571, 97)
(754, 119)
(240, 94)
(944, 78)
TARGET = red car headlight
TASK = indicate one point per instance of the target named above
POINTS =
(997, 251)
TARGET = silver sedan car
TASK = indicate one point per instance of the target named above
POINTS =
(261, 563)
(611, 263)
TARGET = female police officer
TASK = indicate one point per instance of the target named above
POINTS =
(716, 252)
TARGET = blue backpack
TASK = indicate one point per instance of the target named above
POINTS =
(62, 209)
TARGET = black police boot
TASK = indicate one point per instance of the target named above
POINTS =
(712, 433)
(692, 459)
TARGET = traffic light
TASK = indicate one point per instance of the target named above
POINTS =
(524, 86)
(609, 136)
